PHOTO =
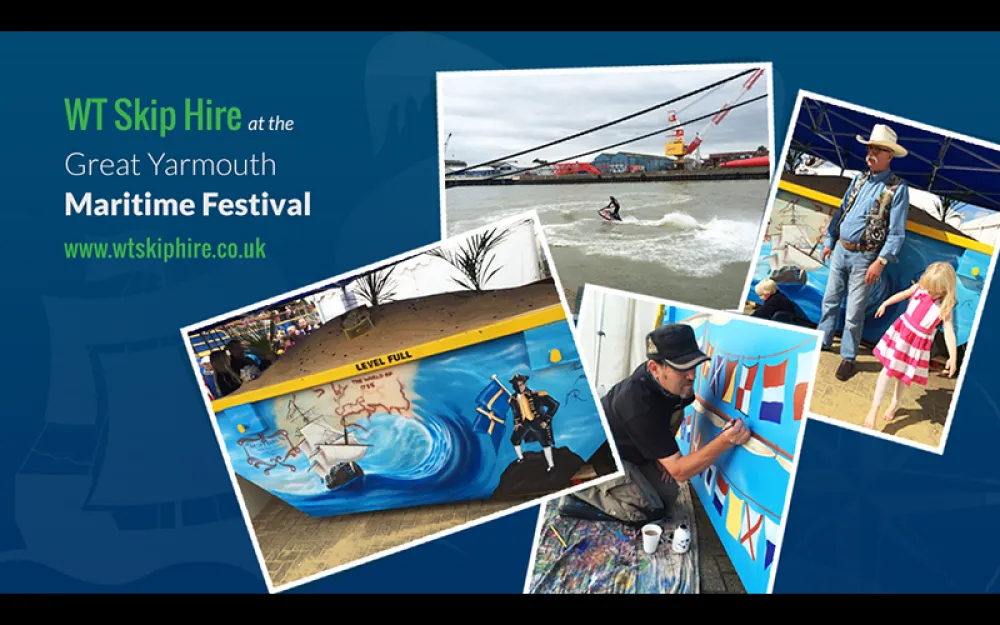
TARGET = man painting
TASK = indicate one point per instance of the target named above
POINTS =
(640, 411)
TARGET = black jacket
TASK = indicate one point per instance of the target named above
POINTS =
(778, 302)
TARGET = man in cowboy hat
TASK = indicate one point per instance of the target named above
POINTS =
(533, 412)
(640, 411)
(865, 234)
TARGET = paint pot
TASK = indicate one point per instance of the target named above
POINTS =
(681, 541)
(651, 537)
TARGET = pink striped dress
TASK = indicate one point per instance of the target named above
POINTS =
(905, 349)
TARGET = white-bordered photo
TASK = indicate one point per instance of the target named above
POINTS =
(410, 399)
(880, 231)
(651, 179)
(707, 413)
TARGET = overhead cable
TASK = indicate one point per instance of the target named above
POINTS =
(605, 125)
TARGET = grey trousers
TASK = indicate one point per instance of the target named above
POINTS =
(658, 480)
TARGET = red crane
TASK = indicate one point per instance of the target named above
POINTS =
(675, 141)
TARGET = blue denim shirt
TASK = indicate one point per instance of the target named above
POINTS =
(854, 224)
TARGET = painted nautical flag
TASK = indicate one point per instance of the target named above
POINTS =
(807, 360)
(719, 496)
(709, 474)
(718, 370)
(730, 380)
(750, 530)
(772, 401)
(735, 516)
(747, 377)
(707, 367)
(772, 538)
(491, 412)
(684, 432)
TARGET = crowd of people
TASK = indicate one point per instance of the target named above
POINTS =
(225, 370)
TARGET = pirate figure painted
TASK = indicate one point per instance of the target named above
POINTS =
(533, 412)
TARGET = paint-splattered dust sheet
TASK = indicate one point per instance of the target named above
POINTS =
(607, 558)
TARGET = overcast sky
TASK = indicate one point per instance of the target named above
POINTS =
(490, 115)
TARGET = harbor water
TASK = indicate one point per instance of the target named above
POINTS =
(690, 242)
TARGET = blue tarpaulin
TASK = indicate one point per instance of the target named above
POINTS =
(936, 163)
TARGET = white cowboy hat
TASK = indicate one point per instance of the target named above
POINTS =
(884, 136)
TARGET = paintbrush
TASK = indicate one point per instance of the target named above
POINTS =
(553, 528)
(729, 425)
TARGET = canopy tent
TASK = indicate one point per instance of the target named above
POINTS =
(342, 284)
(939, 164)
(272, 307)
(943, 166)
(300, 295)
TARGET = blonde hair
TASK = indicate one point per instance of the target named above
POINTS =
(766, 287)
(939, 281)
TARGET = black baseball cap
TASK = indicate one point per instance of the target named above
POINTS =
(675, 345)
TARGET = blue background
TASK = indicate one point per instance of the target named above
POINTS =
(448, 456)
(760, 481)
(112, 477)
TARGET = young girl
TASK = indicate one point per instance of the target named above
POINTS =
(904, 350)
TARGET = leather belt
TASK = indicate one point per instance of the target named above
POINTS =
(854, 247)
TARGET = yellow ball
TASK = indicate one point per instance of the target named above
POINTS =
(975, 271)
(241, 428)
(555, 356)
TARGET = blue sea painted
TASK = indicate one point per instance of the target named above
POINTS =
(757, 373)
(917, 253)
(427, 442)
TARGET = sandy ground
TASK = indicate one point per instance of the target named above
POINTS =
(399, 325)
(921, 415)
(296, 546)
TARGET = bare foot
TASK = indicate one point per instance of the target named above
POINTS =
(870, 419)
(890, 412)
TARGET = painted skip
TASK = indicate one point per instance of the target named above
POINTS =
(946, 237)
(489, 332)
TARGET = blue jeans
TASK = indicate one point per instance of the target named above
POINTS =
(847, 274)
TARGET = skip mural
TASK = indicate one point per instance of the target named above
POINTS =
(503, 418)
(760, 373)
(791, 257)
